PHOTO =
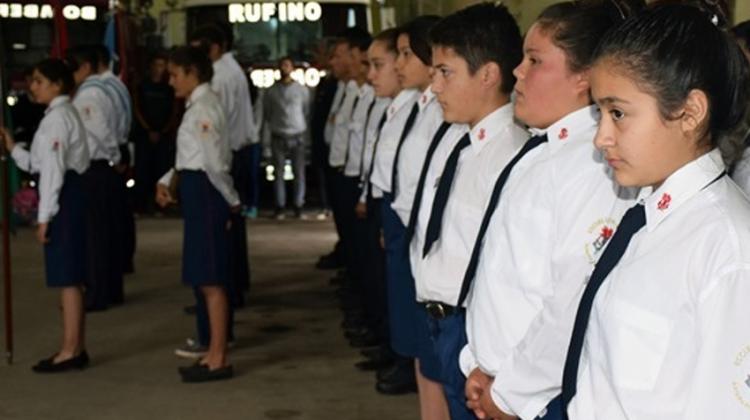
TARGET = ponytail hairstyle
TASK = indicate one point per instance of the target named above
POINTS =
(389, 38)
(418, 31)
(56, 71)
(576, 27)
(673, 48)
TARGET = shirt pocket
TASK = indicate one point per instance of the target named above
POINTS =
(638, 346)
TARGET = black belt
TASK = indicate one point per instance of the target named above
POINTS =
(439, 310)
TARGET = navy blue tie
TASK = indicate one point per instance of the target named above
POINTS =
(434, 226)
(407, 128)
(420, 186)
(471, 269)
(633, 220)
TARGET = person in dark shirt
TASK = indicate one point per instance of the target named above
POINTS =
(153, 131)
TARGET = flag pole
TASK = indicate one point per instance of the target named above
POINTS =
(5, 204)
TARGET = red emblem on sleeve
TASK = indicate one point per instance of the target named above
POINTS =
(664, 202)
(563, 134)
(607, 232)
(481, 134)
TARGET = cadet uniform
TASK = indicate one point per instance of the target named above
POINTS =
(667, 336)
(558, 210)
(60, 156)
(96, 107)
(206, 195)
(230, 84)
(459, 181)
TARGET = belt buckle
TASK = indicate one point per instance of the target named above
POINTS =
(436, 310)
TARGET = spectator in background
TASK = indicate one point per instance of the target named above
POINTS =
(156, 116)
(285, 110)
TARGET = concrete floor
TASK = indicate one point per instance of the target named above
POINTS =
(291, 360)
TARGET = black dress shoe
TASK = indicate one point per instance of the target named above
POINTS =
(189, 310)
(397, 387)
(387, 372)
(201, 373)
(373, 353)
(360, 332)
(49, 366)
(373, 364)
(369, 339)
(328, 262)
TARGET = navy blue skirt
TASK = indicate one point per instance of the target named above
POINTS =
(407, 318)
(65, 254)
(206, 240)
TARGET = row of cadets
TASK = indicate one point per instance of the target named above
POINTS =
(333, 89)
(557, 212)
(353, 293)
(97, 109)
(208, 201)
(398, 377)
(60, 155)
(123, 118)
(230, 84)
(351, 48)
(666, 305)
(286, 108)
(409, 337)
(474, 53)
(384, 81)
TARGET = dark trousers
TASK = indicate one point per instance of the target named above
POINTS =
(241, 168)
(202, 321)
(239, 269)
(103, 283)
(256, 152)
(125, 229)
(353, 229)
(448, 337)
(333, 186)
(152, 160)
(374, 276)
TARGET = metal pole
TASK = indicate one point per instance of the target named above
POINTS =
(5, 199)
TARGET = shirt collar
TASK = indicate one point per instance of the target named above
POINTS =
(364, 90)
(425, 98)
(490, 126)
(351, 86)
(403, 98)
(107, 73)
(59, 100)
(570, 126)
(680, 187)
(199, 91)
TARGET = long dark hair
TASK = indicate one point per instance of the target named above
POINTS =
(56, 71)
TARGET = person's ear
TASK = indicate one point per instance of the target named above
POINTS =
(491, 75)
(694, 112)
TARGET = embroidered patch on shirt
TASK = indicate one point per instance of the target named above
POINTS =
(55, 144)
(424, 99)
(205, 127)
(482, 134)
(663, 204)
(599, 234)
(563, 134)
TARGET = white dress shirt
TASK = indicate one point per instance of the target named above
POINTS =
(340, 140)
(123, 105)
(357, 131)
(59, 145)
(202, 144)
(385, 152)
(230, 83)
(96, 108)
(413, 152)
(371, 135)
(335, 105)
(668, 336)
(286, 107)
(494, 142)
(741, 172)
(557, 211)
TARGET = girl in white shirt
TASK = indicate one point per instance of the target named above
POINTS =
(661, 332)
(207, 196)
(60, 156)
